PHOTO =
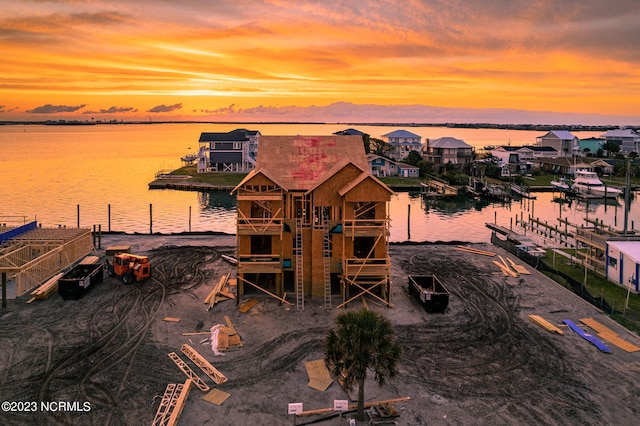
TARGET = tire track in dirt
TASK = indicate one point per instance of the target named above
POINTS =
(484, 349)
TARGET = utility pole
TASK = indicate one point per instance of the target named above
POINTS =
(626, 197)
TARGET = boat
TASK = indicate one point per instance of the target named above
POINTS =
(587, 183)
(561, 184)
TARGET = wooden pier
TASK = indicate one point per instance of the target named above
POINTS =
(435, 187)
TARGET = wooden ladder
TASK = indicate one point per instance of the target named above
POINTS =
(299, 253)
(326, 250)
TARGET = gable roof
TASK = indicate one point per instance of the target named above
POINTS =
(401, 134)
(238, 135)
(349, 131)
(361, 178)
(448, 142)
(300, 162)
(561, 134)
(620, 133)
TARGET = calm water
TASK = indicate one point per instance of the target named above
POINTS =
(47, 171)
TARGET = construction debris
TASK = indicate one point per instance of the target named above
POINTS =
(609, 335)
(475, 251)
(244, 307)
(219, 293)
(171, 319)
(319, 377)
(216, 396)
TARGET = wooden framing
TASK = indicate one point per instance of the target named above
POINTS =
(35, 256)
(188, 372)
(314, 199)
(204, 365)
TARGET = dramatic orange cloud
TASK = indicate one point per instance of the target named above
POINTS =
(262, 60)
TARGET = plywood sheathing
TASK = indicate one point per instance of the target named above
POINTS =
(537, 319)
(216, 396)
(319, 377)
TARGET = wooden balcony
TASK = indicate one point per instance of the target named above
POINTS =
(264, 226)
(259, 263)
(372, 267)
(366, 227)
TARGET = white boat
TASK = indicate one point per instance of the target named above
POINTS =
(587, 183)
(561, 184)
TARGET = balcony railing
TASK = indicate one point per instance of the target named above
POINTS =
(366, 227)
(358, 267)
(250, 226)
(259, 263)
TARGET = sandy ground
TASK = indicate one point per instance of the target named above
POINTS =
(481, 362)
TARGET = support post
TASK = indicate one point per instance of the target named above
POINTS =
(4, 289)
(150, 218)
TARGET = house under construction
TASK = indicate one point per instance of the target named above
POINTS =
(30, 254)
(312, 221)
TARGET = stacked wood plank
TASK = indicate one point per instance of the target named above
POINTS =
(475, 251)
(537, 319)
(46, 289)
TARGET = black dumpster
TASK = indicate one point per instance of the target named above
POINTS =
(431, 293)
(74, 283)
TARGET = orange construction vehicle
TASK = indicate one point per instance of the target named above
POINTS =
(129, 267)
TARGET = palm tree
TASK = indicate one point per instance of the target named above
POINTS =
(362, 340)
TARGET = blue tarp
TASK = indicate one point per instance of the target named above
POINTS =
(5, 236)
(587, 336)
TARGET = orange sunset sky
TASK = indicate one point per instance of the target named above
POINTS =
(501, 61)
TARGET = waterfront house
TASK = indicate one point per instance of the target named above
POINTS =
(589, 147)
(313, 221)
(382, 167)
(623, 263)
(402, 143)
(233, 151)
(627, 139)
(448, 150)
(562, 141)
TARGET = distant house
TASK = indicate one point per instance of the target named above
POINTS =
(562, 141)
(627, 139)
(349, 132)
(448, 150)
(233, 151)
(313, 221)
(542, 152)
(402, 143)
(589, 146)
(383, 167)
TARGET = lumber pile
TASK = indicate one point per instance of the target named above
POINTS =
(228, 338)
(475, 251)
(506, 268)
(609, 335)
(46, 289)
(221, 291)
(89, 260)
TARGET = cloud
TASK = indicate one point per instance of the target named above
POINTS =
(165, 108)
(52, 109)
(347, 112)
(113, 110)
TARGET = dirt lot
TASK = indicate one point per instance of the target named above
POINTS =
(481, 362)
